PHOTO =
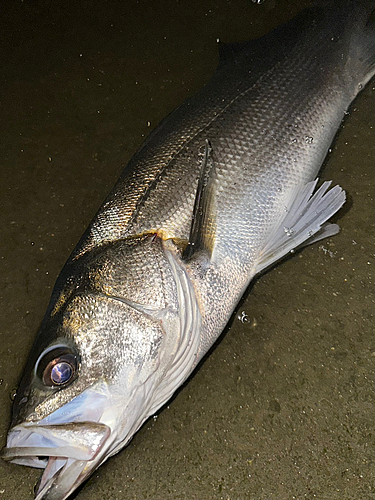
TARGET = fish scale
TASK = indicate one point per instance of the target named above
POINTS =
(241, 125)
(220, 191)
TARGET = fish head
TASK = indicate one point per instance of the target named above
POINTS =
(120, 335)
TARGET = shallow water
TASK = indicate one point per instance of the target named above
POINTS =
(283, 407)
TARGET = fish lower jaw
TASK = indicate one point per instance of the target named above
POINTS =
(62, 476)
(69, 453)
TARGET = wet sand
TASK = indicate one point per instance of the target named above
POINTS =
(283, 407)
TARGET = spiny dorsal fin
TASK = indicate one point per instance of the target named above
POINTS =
(270, 48)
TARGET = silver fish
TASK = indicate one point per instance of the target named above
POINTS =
(222, 190)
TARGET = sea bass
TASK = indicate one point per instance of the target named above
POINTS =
(219, 192)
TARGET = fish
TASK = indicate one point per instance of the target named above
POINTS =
(222, 190)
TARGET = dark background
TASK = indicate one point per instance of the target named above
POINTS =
(284, 406)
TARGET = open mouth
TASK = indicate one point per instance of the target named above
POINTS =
(69, 443)
(69, 453)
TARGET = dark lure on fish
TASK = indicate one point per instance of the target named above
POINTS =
(220, 191)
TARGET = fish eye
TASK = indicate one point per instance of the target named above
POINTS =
(59, 371)
(57, 366)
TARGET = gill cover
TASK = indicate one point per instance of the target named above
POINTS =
(111, 352)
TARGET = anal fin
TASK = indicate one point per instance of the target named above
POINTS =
(305, 222)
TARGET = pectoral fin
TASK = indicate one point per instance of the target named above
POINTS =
(304, 222)
(202, 231)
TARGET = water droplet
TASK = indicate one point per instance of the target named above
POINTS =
(243, 317)
(308, 139)
(294, 140)
(13, 394)
(258, 1)
(289, 231)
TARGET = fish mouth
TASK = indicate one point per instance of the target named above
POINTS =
(69, 443)
(69, 453)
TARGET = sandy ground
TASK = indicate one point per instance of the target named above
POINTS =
(283, 407)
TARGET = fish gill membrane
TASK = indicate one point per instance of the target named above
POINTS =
(216, 195)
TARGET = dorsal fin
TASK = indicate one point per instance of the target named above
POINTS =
(271, 47)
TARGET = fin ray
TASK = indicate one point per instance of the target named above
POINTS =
(304, 222)
(202, 229)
